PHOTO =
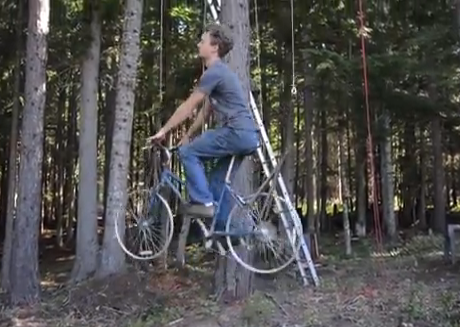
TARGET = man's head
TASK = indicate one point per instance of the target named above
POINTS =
(216, 41)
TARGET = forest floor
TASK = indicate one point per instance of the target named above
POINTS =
(412, 287)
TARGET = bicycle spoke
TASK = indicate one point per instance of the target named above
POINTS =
(267, 243)
(149, 226)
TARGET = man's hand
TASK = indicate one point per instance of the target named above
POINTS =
(185, 140)
(158, 137)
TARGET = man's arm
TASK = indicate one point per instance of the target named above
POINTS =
(208, 81)
(184, 111)
(200, 119)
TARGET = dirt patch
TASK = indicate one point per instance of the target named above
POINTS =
(411, 290)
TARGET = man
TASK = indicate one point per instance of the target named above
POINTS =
(237, 134)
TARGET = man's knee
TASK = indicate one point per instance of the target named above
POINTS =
(184, 152)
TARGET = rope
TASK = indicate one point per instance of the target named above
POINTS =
(293, 87)
(370, 147)
(205, 13)
(259, 66)
(203, 68)
(161, 51)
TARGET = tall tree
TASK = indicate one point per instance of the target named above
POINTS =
(12, 160)
(387, 178)
(87, 242)
(343, 186)
(25, 285)
(438, 176)
(309, 156)
(230, 277)
(113, 258)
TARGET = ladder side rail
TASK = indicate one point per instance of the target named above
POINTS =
(264, 135)
(291, 209)
(271, 155)
(284, 220)
(304, 246)
(293, 213)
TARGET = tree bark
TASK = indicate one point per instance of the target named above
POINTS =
(230, 278)
(360, 171)
(12, 160)
(421, 210)
(387, 177)
(438, 176)
(25, 286)
(85, 263)
(58, 175)
(344, 190)
(324, 163)
(309, 157)
(113, 258)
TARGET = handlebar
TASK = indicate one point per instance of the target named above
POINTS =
(167, 151)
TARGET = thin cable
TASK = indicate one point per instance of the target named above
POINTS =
(293, 87)
(203, 68)
(259, 66)
(161, 51)
(205, 13)
(378, 230)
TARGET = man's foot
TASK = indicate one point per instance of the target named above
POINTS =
(198, 210)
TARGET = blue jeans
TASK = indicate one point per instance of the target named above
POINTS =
(221, 143)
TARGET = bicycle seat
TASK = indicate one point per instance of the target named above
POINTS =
(250, 152)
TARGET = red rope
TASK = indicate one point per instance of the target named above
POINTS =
(370, 147)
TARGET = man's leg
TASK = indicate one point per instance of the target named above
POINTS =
(211, 144)
(217, 182)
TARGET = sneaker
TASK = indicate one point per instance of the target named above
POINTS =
(198, 210)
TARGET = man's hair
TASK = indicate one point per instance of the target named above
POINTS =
(220, 36)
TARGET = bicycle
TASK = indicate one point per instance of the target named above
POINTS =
(255, 229)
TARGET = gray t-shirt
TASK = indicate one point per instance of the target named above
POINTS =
(227, 97)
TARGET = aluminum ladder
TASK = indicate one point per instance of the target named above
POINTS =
(303, 257)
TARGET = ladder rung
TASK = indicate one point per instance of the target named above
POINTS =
(266, 140)
(282, 211)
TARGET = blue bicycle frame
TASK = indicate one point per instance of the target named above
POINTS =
(171, 180)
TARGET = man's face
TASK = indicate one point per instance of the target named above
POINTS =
(205, 48)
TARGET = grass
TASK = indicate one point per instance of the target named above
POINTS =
(413, 288)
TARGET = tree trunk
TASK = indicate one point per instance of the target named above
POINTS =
(309, 114)
(409, 174)
(360, 171)
(58, 175)
(387, 177)
(25, 286)
(109, 117)
(421, 210)
(452, 200)
(324, 166)
(231, 278)
(288, 128)
(349, 141)
(113, 258)
(12, 160)
(344, 191)
(85, 263)
(70, 190)
(438, 177)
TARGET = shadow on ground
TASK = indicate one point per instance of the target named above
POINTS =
(410, 286)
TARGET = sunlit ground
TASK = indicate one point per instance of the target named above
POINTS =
(408, 285)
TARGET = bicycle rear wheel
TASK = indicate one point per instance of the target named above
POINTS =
(271, 248)
(149, 226)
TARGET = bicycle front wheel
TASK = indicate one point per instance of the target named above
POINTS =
(271, 249)
(149, 226)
